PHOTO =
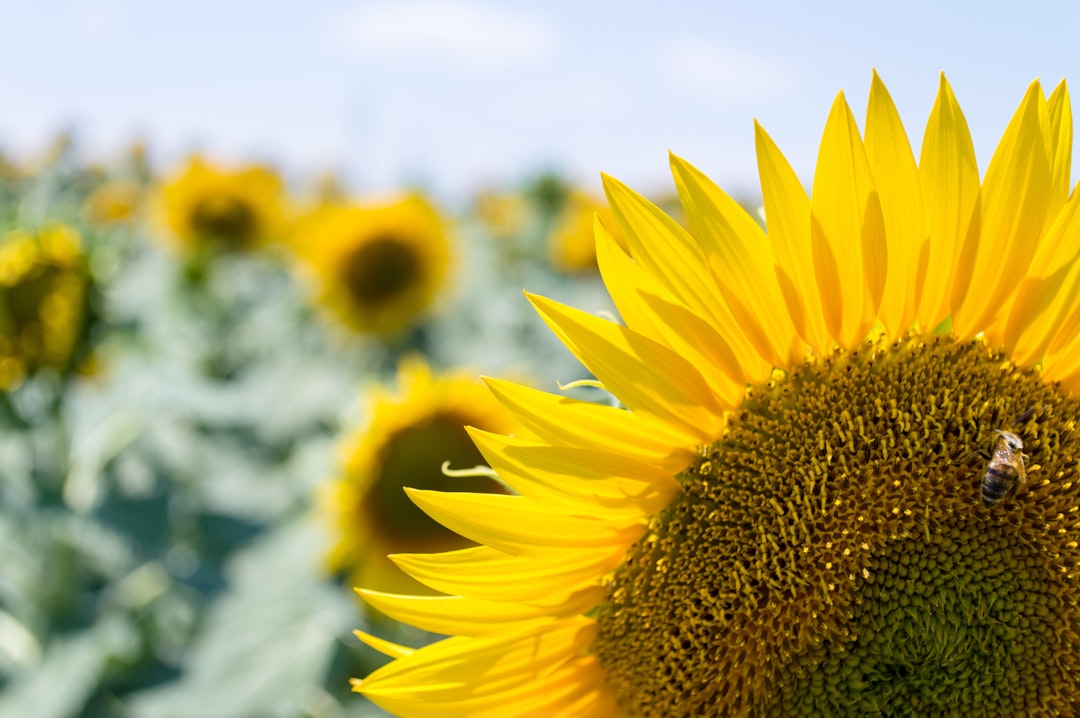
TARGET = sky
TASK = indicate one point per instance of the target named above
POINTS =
(459, 95)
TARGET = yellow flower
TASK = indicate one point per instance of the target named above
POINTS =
(113, 202)
(43, 295)
(506, 215)
(407, 438)
(572, 247)
(378, 267)
(206, 207)
(786, 519)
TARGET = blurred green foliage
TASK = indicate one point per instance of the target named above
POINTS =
(158, 553)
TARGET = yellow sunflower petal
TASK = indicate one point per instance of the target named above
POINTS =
(950, 181)
(1016, 201)
(1061, 137)
(646, 376)
(1048, 292)
(393, 650)
(562, 421)
(896, 177)
(742, 263)
(675, 260)
(619, 488)
(523, 528)
(538, 647)
(520, 674)
(656, 314)
(574, 689)
(847, 230)
(491, 575)
(457, 615)
(787, 213)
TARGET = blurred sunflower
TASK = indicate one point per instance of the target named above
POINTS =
(407, 438)
(113, 202)
(44, 288)
(208, 207)
(504, 214)
(378, 267)
(571, 247)
(786, 518)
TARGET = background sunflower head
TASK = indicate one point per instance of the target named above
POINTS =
(572, 247)
(207, 207)
(408, 435)
(114, 202)
(377, 267)
(44, 292)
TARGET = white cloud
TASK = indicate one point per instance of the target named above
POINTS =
(456, 30)
(701, 65)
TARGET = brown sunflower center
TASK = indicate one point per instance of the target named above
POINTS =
(41, 317)
(379, 270)
(225, 218)
(414, 458)
(831, 553)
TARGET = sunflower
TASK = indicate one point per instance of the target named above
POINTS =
(786, 519)
(44, 288)
(504, 214)
(408, 437)
(209, 207)
(114, 202)
(378, 267)
(571, 247)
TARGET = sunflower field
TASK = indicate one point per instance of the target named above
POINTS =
(213, 387)
(809, 455)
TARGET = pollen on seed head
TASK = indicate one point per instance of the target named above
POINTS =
(854, 467)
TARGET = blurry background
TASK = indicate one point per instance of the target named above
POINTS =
(458, 94)
(255, 256)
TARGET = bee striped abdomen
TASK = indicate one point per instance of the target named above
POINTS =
(1000, 477)
(1006, 468)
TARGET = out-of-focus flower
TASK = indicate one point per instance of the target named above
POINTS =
(113, 202)
(377, 267)
(44, 287)
(209, 207)
(504, 214)
(790, 517)
(571, 247)
(408, 436)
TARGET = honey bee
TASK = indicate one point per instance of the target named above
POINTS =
(1005, 469)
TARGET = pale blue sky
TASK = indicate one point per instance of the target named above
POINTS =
(458, 94)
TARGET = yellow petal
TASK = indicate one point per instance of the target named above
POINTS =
(451, 667)
(384, 647)
(787, 212)
(1044, 297)
(575, 689)
(579, 482)
(650, 310)
(646, 376)
(539, 671)
(742, 263)
(847, 230)
(484, 573)
(950, 182)
(516, 525)
(674, 260)
(1061, 136)
(664, 249)
(1016, 200)
(563, 421)
(457, 615)
(896, 177)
